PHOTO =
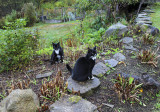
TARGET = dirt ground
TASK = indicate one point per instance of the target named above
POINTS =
(105, 94)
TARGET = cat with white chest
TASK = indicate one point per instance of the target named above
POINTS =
(82, 70)
(57, 54)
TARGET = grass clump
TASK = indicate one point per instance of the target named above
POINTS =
(127, 89)
(149, 57)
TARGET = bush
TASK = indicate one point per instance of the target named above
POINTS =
(2, 23)
(18, 48)
(29, 13)
(19, 23)
(12, 17)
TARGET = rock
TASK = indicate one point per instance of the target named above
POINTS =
(145, 22)
(130, 47)
(20, 101)
(100, 68)
(83, 87)
(142, 14)
(148, 29)
(44, 75)
(148, 11)
(152, 30)
(127, 40)
(116, 29)
(143, 19)
(111, 62)
(119, 57)
(72, 104)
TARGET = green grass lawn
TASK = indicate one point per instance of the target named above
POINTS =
(53, 32)
(155, 17)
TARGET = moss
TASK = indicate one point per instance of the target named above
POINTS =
(75, 99)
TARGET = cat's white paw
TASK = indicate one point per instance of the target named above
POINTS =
(92, 78)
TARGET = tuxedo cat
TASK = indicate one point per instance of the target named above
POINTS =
(82, 70)
(57, 54)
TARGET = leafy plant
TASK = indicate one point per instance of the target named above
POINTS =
(2, 22)
(18, 48)
(127, 89)
(147, 38)
(149, 56)
(18, 23)
(12, 16)
(29, 13)
(53, 89)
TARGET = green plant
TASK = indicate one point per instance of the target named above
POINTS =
(18, 23)
(147, 38)
(29, 13)
(157, 105)
(18, 48)
(53, 89)
(127, 89)
(12, 16)
(149, 56)
(2, 23)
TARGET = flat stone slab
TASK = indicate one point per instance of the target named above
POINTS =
(130, 47)
(142, 16)
(111, 62)
(145, 22)
(83, 87)
(148, 11)
(100, 68)
(127, 40)
(72, 104)
(44, 75)
(143, 19)
(119, 57)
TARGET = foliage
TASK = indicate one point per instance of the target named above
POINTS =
(127, 89)
(12, 17)
(53, 89)
(94, 37)
(149, 56)
(147, 38)
(18, 23)
(18, 48)
(29, 13)
(157, 105)
(2, 23)
(98, 23)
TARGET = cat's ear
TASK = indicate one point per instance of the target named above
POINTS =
(53, 44)
(94, 48)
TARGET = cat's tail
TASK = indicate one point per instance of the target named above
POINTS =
(69, 68)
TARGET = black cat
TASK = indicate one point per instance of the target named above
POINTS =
(82, 70)
(57, 54)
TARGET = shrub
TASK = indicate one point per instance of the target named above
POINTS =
(12, 17)
(18, 48)
(29, 13)
(2, 23)
(19, 23)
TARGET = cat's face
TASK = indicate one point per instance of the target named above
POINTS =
(56, 47)
(92, 53)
